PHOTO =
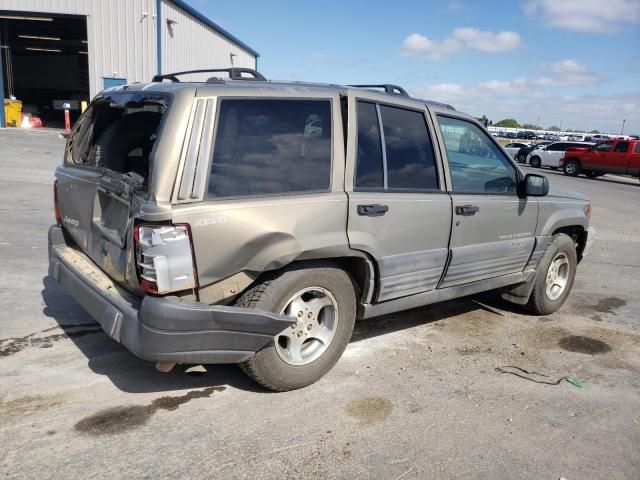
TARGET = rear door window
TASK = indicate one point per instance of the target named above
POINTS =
(636, 149)
(410, 159)
(369, 167)
(269, 147)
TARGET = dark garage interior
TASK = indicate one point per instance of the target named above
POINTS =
(45, 63)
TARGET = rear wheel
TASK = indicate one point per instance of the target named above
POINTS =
(535, 162)
(571, 168)
(554, 276)
(321, 302)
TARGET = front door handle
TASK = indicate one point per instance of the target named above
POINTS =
(374, 210)
(467, 210)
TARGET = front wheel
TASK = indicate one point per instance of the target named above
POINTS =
(535, 162)
(554, 276)
(321, 302)
(571, 168)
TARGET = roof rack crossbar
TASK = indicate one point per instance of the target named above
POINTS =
(388, 88)
(235, 73)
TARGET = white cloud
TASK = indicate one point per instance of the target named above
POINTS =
(590, 16)
(488, 42)
(526, 102)
(319, 55)
(419, 46)
(567, 72)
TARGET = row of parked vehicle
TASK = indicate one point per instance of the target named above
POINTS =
(574, 158)
(552, 137)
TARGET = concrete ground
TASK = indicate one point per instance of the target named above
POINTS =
(416, 395)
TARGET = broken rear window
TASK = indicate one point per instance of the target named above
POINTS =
(117, 132)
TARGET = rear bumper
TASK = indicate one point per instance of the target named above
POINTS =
(161, 328)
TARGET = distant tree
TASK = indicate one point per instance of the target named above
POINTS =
(553, 128)
(569, 130)
(531, 126)
(595, 131)
(507, 123)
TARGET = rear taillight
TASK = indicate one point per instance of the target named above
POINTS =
(164, 258)
(56, 208)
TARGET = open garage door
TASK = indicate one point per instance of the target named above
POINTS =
(45, 63)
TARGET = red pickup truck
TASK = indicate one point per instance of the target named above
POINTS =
(610, 156)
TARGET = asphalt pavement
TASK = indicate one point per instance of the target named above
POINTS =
(416, 395)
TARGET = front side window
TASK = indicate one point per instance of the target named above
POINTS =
(476, 164)
(267, 147)
(603, 147)
(621, 147)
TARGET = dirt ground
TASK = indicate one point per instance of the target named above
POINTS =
(419, 394)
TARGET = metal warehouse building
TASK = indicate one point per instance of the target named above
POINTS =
(54, 52)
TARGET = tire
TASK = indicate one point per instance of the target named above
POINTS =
(535, 162)
(270, 367)
(571, 168)
(119, 139)
(544, 299)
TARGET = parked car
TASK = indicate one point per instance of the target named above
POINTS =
(551, 137)
(611, 156)
(550, 155)
(521, 156)
(539, 136)
(597, 138)
(527, 135)
(510, 135)
(208, 223)
(513, 148)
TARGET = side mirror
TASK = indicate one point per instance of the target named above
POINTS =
(535, 185)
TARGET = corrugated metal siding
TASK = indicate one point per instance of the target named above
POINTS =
(122, 42)
(190, 45)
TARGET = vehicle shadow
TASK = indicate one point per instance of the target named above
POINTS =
(126, 371)
(133, 375)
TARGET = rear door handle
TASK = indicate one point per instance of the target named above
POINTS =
(467, 210)
(374, 210)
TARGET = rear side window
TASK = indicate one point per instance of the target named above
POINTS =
(399, 159)
(636, 149)
(557, 147)
(268, 147)
(410, 160)
(369, 168)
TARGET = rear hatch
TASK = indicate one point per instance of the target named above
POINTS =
(105, 177)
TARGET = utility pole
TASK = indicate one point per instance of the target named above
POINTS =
(560, 124)
(623, 121)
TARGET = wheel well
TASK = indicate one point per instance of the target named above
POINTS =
(577, 160)
(578, 235)
(362, 271)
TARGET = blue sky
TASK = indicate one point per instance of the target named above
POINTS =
(575, 61)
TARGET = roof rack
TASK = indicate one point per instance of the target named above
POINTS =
(235, 73)
(387, 87)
